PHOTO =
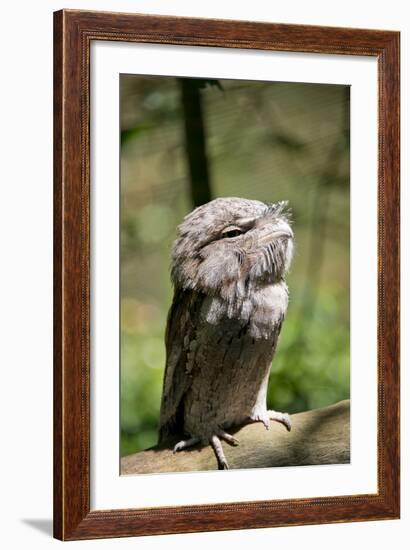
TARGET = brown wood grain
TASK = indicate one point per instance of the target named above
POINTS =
(73, 32)
(58, 274)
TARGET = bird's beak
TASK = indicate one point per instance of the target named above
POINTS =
(282, 231)
(282, 234)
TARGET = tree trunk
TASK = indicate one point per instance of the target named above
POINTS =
(195, 142)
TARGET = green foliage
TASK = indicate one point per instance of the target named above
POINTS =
(311, 367)
(130, 133)
(142, 362)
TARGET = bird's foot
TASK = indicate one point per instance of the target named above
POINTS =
(281, 417)
(228, 438)
(215, 441)
(219, 453)
(266, 417)
(185, 444)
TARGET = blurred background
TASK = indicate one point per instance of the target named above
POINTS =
(186, 141)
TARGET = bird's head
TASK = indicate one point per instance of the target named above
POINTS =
(231, 246)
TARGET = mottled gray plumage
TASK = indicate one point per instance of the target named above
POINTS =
(228, 266)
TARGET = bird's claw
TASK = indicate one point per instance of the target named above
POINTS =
(283, 418)
(219, 453)
(178, 447)
(286, 421)
(215, 442)
(228, 438)
(185, 443)
(223, 465)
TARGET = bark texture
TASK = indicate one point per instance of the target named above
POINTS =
(320, 436)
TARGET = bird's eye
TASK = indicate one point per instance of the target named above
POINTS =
(230, 232)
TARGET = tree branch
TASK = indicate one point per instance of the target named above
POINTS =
(320, 436)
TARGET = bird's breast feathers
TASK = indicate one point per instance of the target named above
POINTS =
(262, 311)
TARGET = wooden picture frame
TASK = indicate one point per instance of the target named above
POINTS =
(73, 33)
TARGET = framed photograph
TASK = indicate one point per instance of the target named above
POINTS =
(226, 275)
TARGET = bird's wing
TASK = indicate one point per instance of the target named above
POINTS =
(180, 342)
